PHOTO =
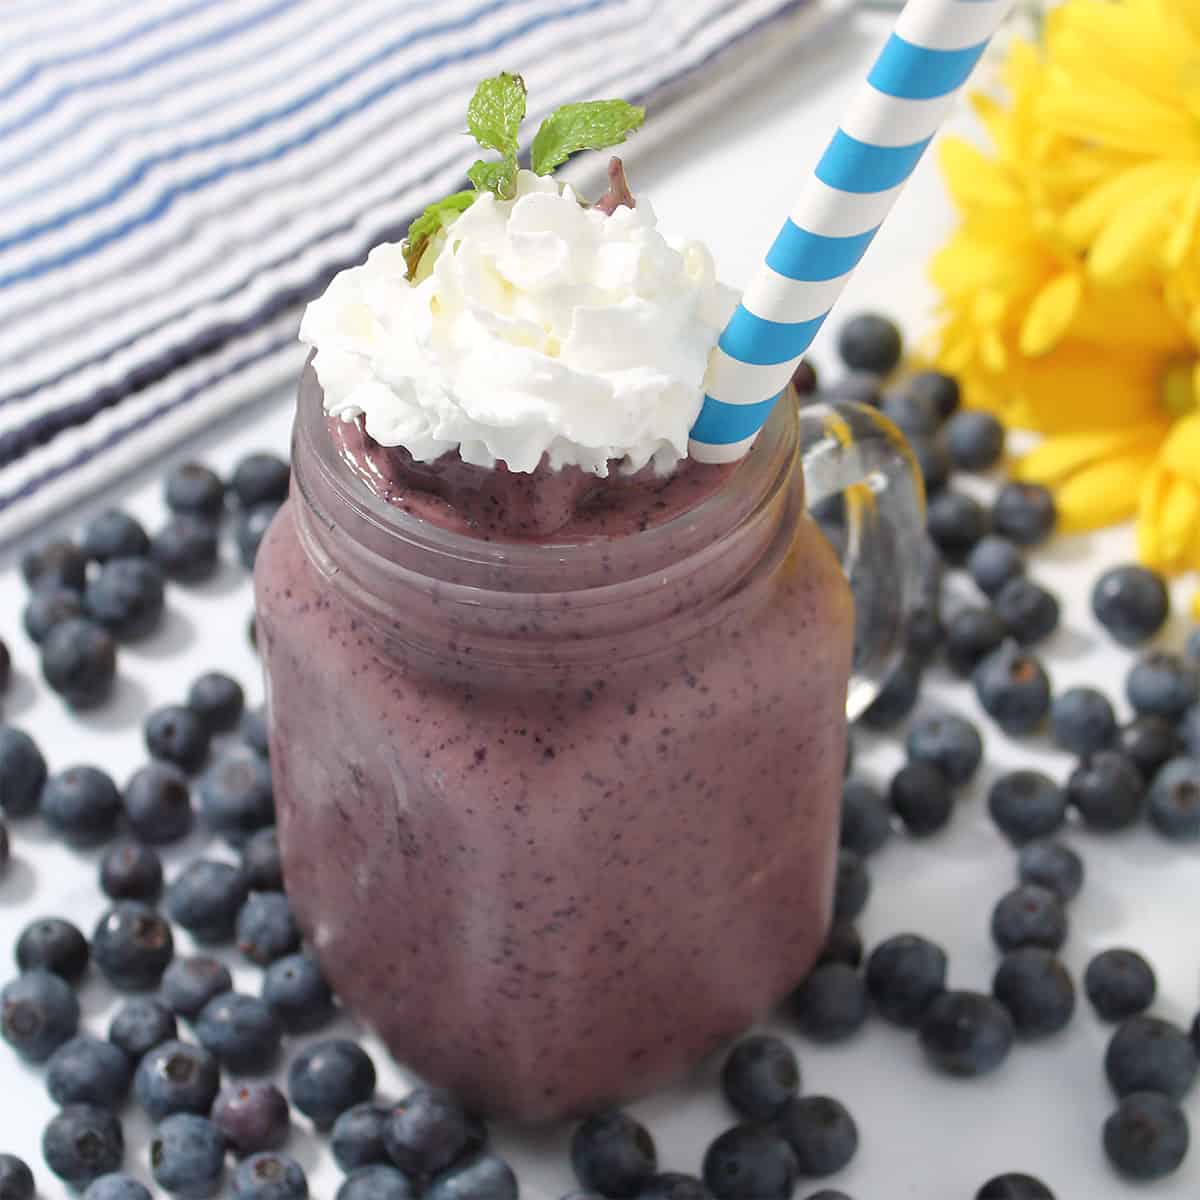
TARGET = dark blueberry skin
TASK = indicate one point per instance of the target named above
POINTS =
(79, 662)
(16, 1179)
(187, 548)
(131, 871)
(805, 378)
(83, 1142)
(1036, 989)
(270, 1175)
(187, 1156)
(1189, 730)
(253, 1116)
(821, 1133)
(915, 417)
(140, 1024)
(1163, 685)
(1148, 1054)
(158, 804)
(376, 1182)
(921, 796)
(188, 984)
(831, 1004)
(193, 488)
(22, 772)
(952, 744)
(614, 1155)
(1147, 1137)
(1149, 742)
(844, 944)
(116, 1187)
(132, 946)
(252, 525)
(1119, 983)
(236, 797)
(760, 1076)
(1013, 688)
(177, 735)
(956, 522)
(328, 1077)
(4, 849)
(48, 607)
(923, 636)
(1049, 864)
(1083, 721)
(55, 945)
(1014, 1186)
(993, 562)
(206, 897)
(5, 666)
(854, 387)
(936, 388)
(747, 1160)
(261, 862)
(261, 479)
(897, 696)
(670, 1185)
(1029, 916)
(1131, 602)
(975, 440)
(866, 818)
(81, 805)
(58, 563)
(1174, 808)
(1024, 512)
(853, 886)
(1107, 791)
(357, 1137)
(1028, 610)
(870, 342)
(240, 1032)
(1027, 805)
(127, 597)
(933, 461)
(425, 1132)
(971, 635)
(38, 1013)
(297, 993)
(966, 1033)
(89, 1070)
(176, 1077)
(254, 732)
(114, 534)
(266, 928)
(218, 700)
(904, 975)
(485, 1177)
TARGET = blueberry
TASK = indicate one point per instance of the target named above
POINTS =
(870, 342)
(177, 735)
(140, 1024)
(1119, 983)
(933, 461)
(217, 700)
(254, 732)
(79, 662)
(866, 819)
(187, 548)
(38, 1012)
(971, 635)
(1029, 916)
(261, 479)
(236, 797)
(920, 795)
(126, 597)
(1189, 730)
(88, 1070)
(614, 1155)
(425, 1132)
(671, 1185)
(297, 993)
(937, 389)
(1053, 866)
(1148, 1054)
(270, 1175)
(206, 897)
(83, 1142)
(252, 631)
(844, 945)
(853, 886)
(956, 523)
(1036, 989)
(854, 387)
(760, 1076)
(81, 805)
(966, 1033)
(376, 1182)
(114, 534)
(328, 1077)
(176, 1077)
(1147, 1137)
(904, 975)
(915, 416)
(1013, 689)
(1107, 790)
(952, 744)
(923, 635)
(252, 525)
(187, 1156)
(55, 564)
(357, 1137)
(158, 804)
(975, 440)
(193, 488)
(821, 1133)
(1026, 805)
(831, 1004)
(1024, 512)
(240, 1032)
(4, 849)
(16, 1179)
(804, 378)
(253, 1116)
(1174, 808)
(48, 607)
(1132, 603)
(22, 772)
(1030, 613)
(131, 871)
(1163, 685)
(829, 1194)
(116, 1187)
(1083, 721)
(266, 928)
(484, 1177)
(1014, 1186)
(747, 1160)
(188, 984)
(993, 562)
(261, 863)
(896, 696)
(132, 945)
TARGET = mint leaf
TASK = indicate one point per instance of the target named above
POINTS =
(592, 125)
(430, 223)
(496, 112)
(499, 177)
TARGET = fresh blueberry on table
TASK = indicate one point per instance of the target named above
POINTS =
(127, 596)
(206, 897)
(831, 1004)
(956, 522)
(253, 729)
(82, 805)
(966, 1033)
(671, 1185)
(261, 479)
(923, 635)
(113, 534)
(1024, 512)
(971, 635)
(975, 440)
(1149, 742)
(921, 796)
(1083, 721)
(915, 416)
(194, 488)
(187, 548)
(805, 378)
(5, 850)
(132, 945)
(218, 700)
(747, 1160)
(853, 886)
(376, 1182)
(994, 561)
(1163, 685)
(270, 1175)
(116, 1187)
(614, 1155)
(1014, 1186)
(176, 1077)
(89, 1070)
(1131, 602)
(177, 735)
(140, 1024)
(253, 1115)
(1107, 791)
(844, 944)
(950, 743)
(866, 822)
(328, 1077)
(55, 945)
(1049, 864)
(933, 461)
(48, 607)
(252, 525)
(870, 342)
(261, 862)
(937, 389)
(1013, 688)
(240, 1032)
(425, 1132)
(485, 1177)
(22, 772)
(79, 662)
(158, 805)
(266, 927)
(83, 1142)
(16, 1179)
(1029, 611)
(357, 1137)
(760, 1076)
(188, 984)
(1026, 805)
(296, 992)
(1174, 808)
(1120, 983)
(1036, 989)
(897, 696)
(821, 1132)
(236, 796)
(1147, 1137)
(1029, 916)
(904, 975)
(38, 1012)
(854, 387)
(1189, 731)
(131, 870)
(58, 563)
(1150, 1054)
(187, 1156)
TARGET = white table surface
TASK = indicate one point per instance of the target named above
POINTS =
(730, 179)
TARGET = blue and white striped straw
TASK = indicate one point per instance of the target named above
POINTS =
(912, 86)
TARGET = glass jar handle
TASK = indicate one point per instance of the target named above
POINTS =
(863, 487)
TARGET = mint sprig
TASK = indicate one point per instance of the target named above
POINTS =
(591, 125)
(430, 223)
(494, 118)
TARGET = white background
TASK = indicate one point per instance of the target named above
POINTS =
(729, 179)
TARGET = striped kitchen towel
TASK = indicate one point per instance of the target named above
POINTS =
(178, 176)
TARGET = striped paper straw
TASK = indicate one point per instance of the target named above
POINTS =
(913, 84)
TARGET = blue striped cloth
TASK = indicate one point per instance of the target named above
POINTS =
(178, 176)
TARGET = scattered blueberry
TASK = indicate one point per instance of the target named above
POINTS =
(252, 525)
(54, 945)
(614, 1155)
(5, 850)
(48, 607)
(254, 732)
(1013, 688)
(975, 440)
(357, 1137)
(132, 945)
(1029, 916)
(897, 695)
(158, 804)
(936, 388)
(920, 795)
(140, 1024)
(266, 928)
(1147, 1137)
(240, 1032)
(1131, 602)
(261, 862)
(193, 488)
(82, 805)
(187, 1156)
(1189, 730)
(79, 662)
(376, 1182)
(844, 945)
(821, 1133)
(950, 743)
(88, 1070)
(923, 636)
(956, 522)
(130, 870)
(760, 1076)
(328, 1077)
(1119, 983)
(1049, 864)
(1163, 685)
(217, 700)
(485, 1177)
(1024, 512)
(1107, 791)
(1030, 613)
(206, 897)
(38, 1012)
(177, 735)
(1014, 1186)
(55, 564)
(933, 461)
(993, 562)
(253, 1116)
(747, 1160)
(915, 416)
(1026, 805)
(83, 1142)
(187, 548)
(297, 993)
(261, 479)
(115, 1187)
(853, 886)
(1083, 721)
(831, 1003)
(1148, 1054)
(236, 796)
(870, 342)
(113, 534)
(22, 772)
(126, 597)
(804, 378)
(188, 984)
(1036, 989)
(971, 635)
(671, 1185)
(904, 975)
(1174, 808)
(16, 1179)
(966, 1033)
(270, 1175)
(425, 1132)
(176, 1077)
(866, 819)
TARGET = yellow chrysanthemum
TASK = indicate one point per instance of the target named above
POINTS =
(1071, 289)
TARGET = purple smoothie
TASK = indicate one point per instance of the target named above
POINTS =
(557, 768)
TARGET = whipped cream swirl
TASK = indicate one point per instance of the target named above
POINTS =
(544, 329)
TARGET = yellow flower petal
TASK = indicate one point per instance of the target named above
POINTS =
(1102, 494)
(1060, 456)
(1130, 244)
(1177, 521)
(1181, 451)
(1196, 605)
(1051, 313)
